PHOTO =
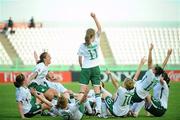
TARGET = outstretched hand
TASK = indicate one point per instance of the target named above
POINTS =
(93, 15)
(169, 51)
(143, 60)
(151, 46)
(107, 72)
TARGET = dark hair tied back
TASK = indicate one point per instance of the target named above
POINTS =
(19, 80)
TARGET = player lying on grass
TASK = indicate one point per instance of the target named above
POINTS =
(59, 87)
(28, 105)
(38, 77)
(68, 111)
(157, 89)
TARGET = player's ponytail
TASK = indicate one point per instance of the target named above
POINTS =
(42, 57)
(158, 70)
(19, 80)
(89, 34)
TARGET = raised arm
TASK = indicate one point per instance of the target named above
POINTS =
(167, 58)
(143, 60)
(150, 64)
(97, 23)
(35, 56)
(114, 80)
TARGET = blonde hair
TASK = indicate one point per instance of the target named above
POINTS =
(62, 102)
(128, 83)
(89, 34)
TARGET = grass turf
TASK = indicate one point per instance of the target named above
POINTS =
(9, 110)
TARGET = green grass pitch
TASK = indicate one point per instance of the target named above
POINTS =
(9, 110)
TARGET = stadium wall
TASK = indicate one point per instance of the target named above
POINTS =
(73, 76)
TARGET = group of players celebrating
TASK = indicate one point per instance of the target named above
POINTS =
(42, 93)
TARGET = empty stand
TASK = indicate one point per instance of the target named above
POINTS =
(130, 44)
(4, 58)
(62, 44)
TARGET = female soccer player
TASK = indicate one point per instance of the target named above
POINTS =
(27, 104)
(158, 106)
(90, 70)
(70, 111)
(38, 77)
(149, 80)
(157, 89)
(119, 106)
(53, 82)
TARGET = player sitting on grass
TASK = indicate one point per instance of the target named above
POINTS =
(28, 105)
(157, 90)
(149, 80)
(157, 104)
(38, 77)
(52, 81)
(119, 106)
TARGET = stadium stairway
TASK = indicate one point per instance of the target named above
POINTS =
(106, 50)
(10, 50)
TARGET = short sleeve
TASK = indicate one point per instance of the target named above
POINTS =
(19, 97)
(119, 90)
(80, 51)
(38, 69)
(97, 38)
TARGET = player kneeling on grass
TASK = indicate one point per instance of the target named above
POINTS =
(119, 106)
(158, 106)
(27, 104)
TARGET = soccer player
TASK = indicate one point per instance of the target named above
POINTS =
(90, 103)
(38, 77)
(116, 83)
(27, 104)
(119, 106)
(59, 87)
(70, 111)
(90, 65)
(53, 81)
(157, 89)
(158, 106)
(149, 80)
